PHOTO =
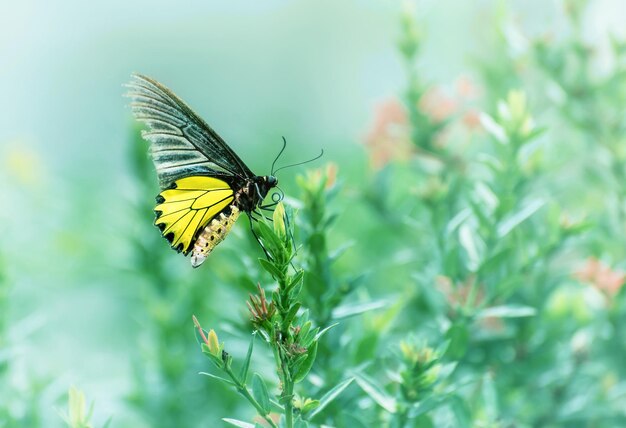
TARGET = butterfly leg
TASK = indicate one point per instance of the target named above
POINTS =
(268, 207)
(250, 218)
(260, 214)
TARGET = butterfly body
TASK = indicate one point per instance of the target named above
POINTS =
(213, 234)
(204, 184)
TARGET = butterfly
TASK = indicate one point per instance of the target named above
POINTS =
(204, 185)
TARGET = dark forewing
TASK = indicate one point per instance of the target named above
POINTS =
(182, 144)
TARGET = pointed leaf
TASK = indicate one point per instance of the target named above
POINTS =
(295, 364)
(330, 396)
(268, 236)
(238, 423)
(277, 405)
(472, 245)
(376, 393)
(260, 393)
(461, 411)
(221, 379)
(333, 256)
(490, 399)
(458, 220)
(321, 333)
(271, 269)
(309, 406)
(299, 423)
(512, 222)
(493, 128)
(351, 310)
(304, 330)
(307, 364)
(507, 311)
(425, 406)
(243, 375)
(293, 311)
(297, 278)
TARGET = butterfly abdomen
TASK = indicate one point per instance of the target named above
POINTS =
(213, 234)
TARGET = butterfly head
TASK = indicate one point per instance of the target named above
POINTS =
(265, 183)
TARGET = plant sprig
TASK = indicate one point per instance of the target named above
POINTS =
(284, 326)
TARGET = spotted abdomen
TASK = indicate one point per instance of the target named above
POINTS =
(213, 234)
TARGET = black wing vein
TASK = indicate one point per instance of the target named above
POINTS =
(173, 126)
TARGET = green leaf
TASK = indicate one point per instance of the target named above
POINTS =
(376, 393)
(323, 332)
(473, 246)
(297, 278)
(425, 405)
(238, 423)
(490, 397)
(330, 396)
(277, 406)
(294, 364)
(458, 335)
(294, 292)
(330, 220)
(221, 379)
(351, 310)
(243, 374)
(313, 404)
(107, 424)
(491, 162)
(216, 360)
(516, 219)
(267, 235)
(338, 252)
(299, 423)
(485, 198)
(276, 299)
(456, 222)
(260, 393)
(507, 311)
(271, 269)
(291, 314)
(304, 330)
(307, 364)
(352, 420)
(493, 128)
(535, 133)
(461, 411)
(495, 261)
(446, 370)
(484, 220)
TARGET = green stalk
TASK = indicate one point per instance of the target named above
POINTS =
(287, 394)
(243, 390)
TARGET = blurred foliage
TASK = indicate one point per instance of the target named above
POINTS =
(78, 416)
(472, 273)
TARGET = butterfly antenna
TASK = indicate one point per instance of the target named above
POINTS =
(279, 153)
(301, 163)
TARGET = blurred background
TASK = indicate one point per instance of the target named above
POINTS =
(91, 296)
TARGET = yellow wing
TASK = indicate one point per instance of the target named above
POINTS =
(188, 206)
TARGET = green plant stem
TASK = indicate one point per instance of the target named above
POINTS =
(287, 395)
(243, 390)
(401, 417)
(285, 377)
